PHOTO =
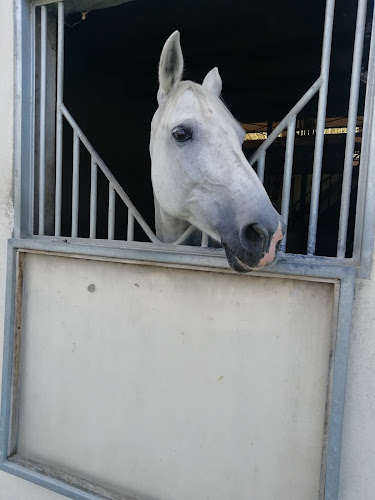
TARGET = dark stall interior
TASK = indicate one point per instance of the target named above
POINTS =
(268, 55)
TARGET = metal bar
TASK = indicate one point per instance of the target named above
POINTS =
(42, 117)
(103, 167)
(66, 489)
(288, 166)
(189, 231)
(320, 125)
(261, 166)
(59, 118)
(93, 198)
(336, 413)
(289, 264)
(364, 225)
(351, 127)
(23, 175)
(18, 120)
(286, 120)
(204, 240)
(32, 121)
(111, 212)
(75, 186)
(7, 373)
(130, 231)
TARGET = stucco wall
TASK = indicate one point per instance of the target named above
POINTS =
(358, 454)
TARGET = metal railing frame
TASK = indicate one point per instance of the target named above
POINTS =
(320, 86)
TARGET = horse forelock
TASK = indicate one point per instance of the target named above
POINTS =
(206, 100)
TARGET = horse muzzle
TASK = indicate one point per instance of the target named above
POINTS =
(255, 247)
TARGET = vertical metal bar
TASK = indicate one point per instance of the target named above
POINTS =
(288, 165)
(7, 373)
(93, 198)
(363, 253)
(204, 240)
(59, 118)
(320, 125)
(336, 414)
(111, 212)
(32, 122)
(42, 117)
(75, 186)
(130, 235)
(261, 166)
(352, 123)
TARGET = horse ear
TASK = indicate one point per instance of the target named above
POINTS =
(212, 82)
(171, 63)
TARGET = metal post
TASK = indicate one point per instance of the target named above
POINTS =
(93, 198)
(360, 253)
(32, 123)
(352, 123)
(288, 165)
(130, 235)
(75, 186)
(261, 166)
(204, 240)
(111, 212)
(42, 118)
(320, 125)
(59, 117)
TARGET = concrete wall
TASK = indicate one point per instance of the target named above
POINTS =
(358, 455)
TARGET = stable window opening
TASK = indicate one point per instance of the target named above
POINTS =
(105, 64)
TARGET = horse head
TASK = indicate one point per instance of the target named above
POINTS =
(199, 173)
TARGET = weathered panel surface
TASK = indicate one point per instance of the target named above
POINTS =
(175, 384)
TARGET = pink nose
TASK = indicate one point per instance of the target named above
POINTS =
(269, 257)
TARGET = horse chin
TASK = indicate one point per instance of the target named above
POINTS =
(240, 266)
(235, 263)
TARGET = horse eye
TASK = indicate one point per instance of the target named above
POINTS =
(182, 134)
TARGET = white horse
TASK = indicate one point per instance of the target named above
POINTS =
(200, 175)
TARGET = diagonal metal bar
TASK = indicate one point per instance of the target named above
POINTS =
(287, 119)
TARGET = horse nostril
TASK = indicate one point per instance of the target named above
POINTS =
(253, 235)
